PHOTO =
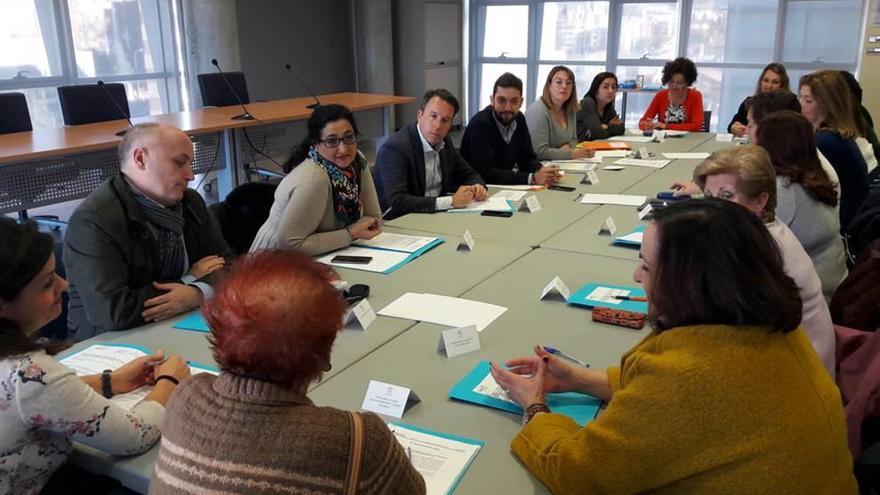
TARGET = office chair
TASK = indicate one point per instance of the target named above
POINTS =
(707, 119)
(243, 212)
(15, 117)
(57, 328)
(215, 92)
(88, 103)
(14, 114)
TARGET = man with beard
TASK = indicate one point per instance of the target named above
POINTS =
(497, 142)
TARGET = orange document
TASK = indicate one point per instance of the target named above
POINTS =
(604, 145)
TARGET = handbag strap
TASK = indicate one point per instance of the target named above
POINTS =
(352, 474)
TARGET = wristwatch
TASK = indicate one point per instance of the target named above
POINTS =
(106, 389)
(535, 408)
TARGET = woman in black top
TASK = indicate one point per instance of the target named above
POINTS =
(773, 78)
(597, 118)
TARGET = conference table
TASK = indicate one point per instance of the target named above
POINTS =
(511, 262)
(50, 166)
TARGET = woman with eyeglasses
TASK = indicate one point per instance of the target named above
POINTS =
(552, 118)
(679, 106)
(597, 118)
(774, 78)
(328, 199)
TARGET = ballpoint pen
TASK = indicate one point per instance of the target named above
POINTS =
(631, 298)
(384, 214)
(557, 352)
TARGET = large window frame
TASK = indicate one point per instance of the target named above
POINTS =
(474, 58)
(173, 91)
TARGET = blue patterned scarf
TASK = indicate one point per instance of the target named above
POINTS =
(346, 187)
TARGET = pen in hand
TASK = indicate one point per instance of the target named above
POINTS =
(557, 352)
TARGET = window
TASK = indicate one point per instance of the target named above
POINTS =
(732, 30)
(730, 40)
(50, 43)
(490, 74)
(648, 30)
(574, 31)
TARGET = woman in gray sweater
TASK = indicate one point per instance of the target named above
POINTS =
(551, 119)
(806, 199)
(328, 198)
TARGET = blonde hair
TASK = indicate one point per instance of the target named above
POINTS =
(753, 170)
(571, 104)
(832, 96)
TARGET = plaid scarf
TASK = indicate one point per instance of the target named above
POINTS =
(166, 223)
(346, 187)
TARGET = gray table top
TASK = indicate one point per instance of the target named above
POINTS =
(428, 273)
(528, 321)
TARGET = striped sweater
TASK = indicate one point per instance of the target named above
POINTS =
(231, 434)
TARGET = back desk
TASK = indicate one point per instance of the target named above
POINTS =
(51, 166)
(507, 268)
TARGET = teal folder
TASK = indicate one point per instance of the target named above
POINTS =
(194, 322)
(580, 298)
(581, 408)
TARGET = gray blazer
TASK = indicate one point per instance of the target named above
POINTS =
(302, 215)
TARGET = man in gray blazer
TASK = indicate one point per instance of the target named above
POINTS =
(418, 167)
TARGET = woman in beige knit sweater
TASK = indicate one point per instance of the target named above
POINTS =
(328, 198)
(252, 429)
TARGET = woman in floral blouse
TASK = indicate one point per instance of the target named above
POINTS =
(44, 406)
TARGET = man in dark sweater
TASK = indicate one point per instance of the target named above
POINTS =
(497, 142)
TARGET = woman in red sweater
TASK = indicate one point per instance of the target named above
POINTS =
(679, 106)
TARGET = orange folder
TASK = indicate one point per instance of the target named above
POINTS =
(604, 145)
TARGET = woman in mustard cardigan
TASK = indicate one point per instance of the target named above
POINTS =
(726, 395)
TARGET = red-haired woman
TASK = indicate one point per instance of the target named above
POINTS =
(252, 429)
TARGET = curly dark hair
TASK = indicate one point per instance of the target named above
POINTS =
(683, 66)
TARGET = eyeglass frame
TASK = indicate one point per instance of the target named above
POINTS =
(348, 139)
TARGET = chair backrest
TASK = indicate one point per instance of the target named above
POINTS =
(243, 212)
(215, 92)
(88, 103)
(57, 328)
(14, 114)
(707, 120)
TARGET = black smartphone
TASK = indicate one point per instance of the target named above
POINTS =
(358, 260)
(490, 213)
(561, 188)
(356, 293)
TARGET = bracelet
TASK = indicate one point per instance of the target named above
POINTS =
(532, 410)
(106, 388)
(170, 378)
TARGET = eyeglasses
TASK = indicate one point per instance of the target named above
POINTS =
(333, 141)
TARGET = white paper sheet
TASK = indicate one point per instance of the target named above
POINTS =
(611, 154)
(515, 187)
(441, 461)
(636, 162)
(488, 386)
(382, 259)
(510, 195)
(493, 204)
(607, 295)
(397, 242)
(673, 132)
(687, 156)
(443, 310)
(631, 139)
(576, 165)
(613, 199)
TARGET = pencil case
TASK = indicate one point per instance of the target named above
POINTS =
(629, 319)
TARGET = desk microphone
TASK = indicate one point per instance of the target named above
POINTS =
(118, 106)
(317, 102)
(246, 115)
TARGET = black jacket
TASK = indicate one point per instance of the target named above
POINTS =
(400, 173)
(112, 259)
(484, 148)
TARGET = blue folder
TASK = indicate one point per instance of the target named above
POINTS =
(580, 298)
(195, 322)
(449, 436)
(581, 408)
(627, 242)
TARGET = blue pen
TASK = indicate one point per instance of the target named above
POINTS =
(557, 352)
